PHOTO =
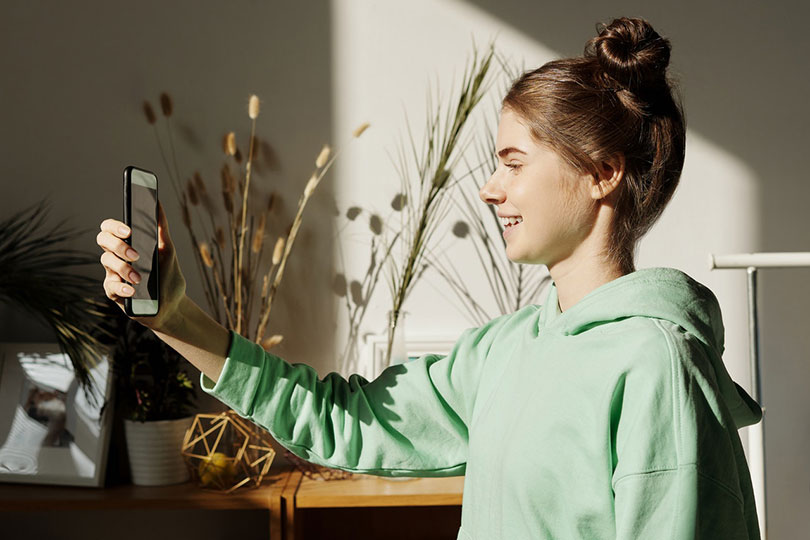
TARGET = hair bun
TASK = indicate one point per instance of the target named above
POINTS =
(631, 53)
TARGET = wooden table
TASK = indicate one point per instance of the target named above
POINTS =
(286, 493)
(32, 497)
(364, 491)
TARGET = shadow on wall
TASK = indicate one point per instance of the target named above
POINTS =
(741, 71)
(83, 83)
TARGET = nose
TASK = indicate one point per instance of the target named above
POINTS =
(492, 192)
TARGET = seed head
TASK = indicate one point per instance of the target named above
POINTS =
(205, 253)
(253, 107)
(323, 156)
(230, 143)
(258, 235)
(272, 341)
(311, 185)
(360, 129)
(278, 251)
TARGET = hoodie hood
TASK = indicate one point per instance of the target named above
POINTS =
(660, 293)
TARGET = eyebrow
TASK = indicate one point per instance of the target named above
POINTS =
(506, 151)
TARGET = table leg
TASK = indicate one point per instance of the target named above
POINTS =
(288, 504)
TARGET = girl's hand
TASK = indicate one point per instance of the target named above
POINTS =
(120, 275)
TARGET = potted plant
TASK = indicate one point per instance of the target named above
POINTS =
(39, 275)
(155, 398)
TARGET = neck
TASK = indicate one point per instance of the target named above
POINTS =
(587, 266)
(578, 275)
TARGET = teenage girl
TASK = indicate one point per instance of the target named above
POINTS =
(605, 412)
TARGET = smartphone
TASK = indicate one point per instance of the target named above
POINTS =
(141, 216)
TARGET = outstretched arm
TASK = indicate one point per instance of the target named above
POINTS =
(180, 322)
(198, 338)
(412, 420)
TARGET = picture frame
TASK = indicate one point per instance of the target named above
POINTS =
(415, 345)
(51, 430)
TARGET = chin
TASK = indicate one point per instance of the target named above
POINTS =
(519, 258)
(524, 258)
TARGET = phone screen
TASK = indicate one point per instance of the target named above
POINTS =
(143, 223)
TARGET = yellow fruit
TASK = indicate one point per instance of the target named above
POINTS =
(217, 470)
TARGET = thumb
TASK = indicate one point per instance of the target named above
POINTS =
(164, 240)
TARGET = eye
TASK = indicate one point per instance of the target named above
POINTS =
(514, 166)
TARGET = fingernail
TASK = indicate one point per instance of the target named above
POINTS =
(134, 277)
(126, 290)
(132, 254)
(123, 230)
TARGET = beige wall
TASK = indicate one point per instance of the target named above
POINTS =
(740, 68)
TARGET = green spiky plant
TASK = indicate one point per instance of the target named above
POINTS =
(434, 162)
(37, 275)
(512, 285)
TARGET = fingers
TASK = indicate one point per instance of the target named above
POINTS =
(113, 264)
(113, 243)
(162, 217)
(163, 228)
(116, 227)
(115, 289)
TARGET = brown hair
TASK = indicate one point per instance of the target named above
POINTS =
(614, 100)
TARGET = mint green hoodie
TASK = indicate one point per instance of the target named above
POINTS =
(613, 420)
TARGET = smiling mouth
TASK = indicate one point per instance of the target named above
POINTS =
(511, 221)
(509, 229)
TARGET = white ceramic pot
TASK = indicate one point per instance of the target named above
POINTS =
(154, 450)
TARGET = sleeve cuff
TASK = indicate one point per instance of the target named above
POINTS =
(240, 377)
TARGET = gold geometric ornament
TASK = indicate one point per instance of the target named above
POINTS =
(224, 452)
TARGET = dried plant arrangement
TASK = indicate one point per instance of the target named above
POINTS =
(37, 275)
(233, 270)
(426, 188)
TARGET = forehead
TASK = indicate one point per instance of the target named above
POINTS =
(513, 133)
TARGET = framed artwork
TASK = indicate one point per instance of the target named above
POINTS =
(416, 347)
(51, 430)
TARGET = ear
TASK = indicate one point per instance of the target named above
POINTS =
(610, 174)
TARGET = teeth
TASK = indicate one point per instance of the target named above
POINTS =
(507, 221)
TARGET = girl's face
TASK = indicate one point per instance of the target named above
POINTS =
(533, 183)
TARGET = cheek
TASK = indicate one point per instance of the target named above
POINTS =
(548, 208)
(556, 215)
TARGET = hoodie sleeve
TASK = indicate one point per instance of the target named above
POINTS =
(409, 421)
(679, 471)
(679, 504)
